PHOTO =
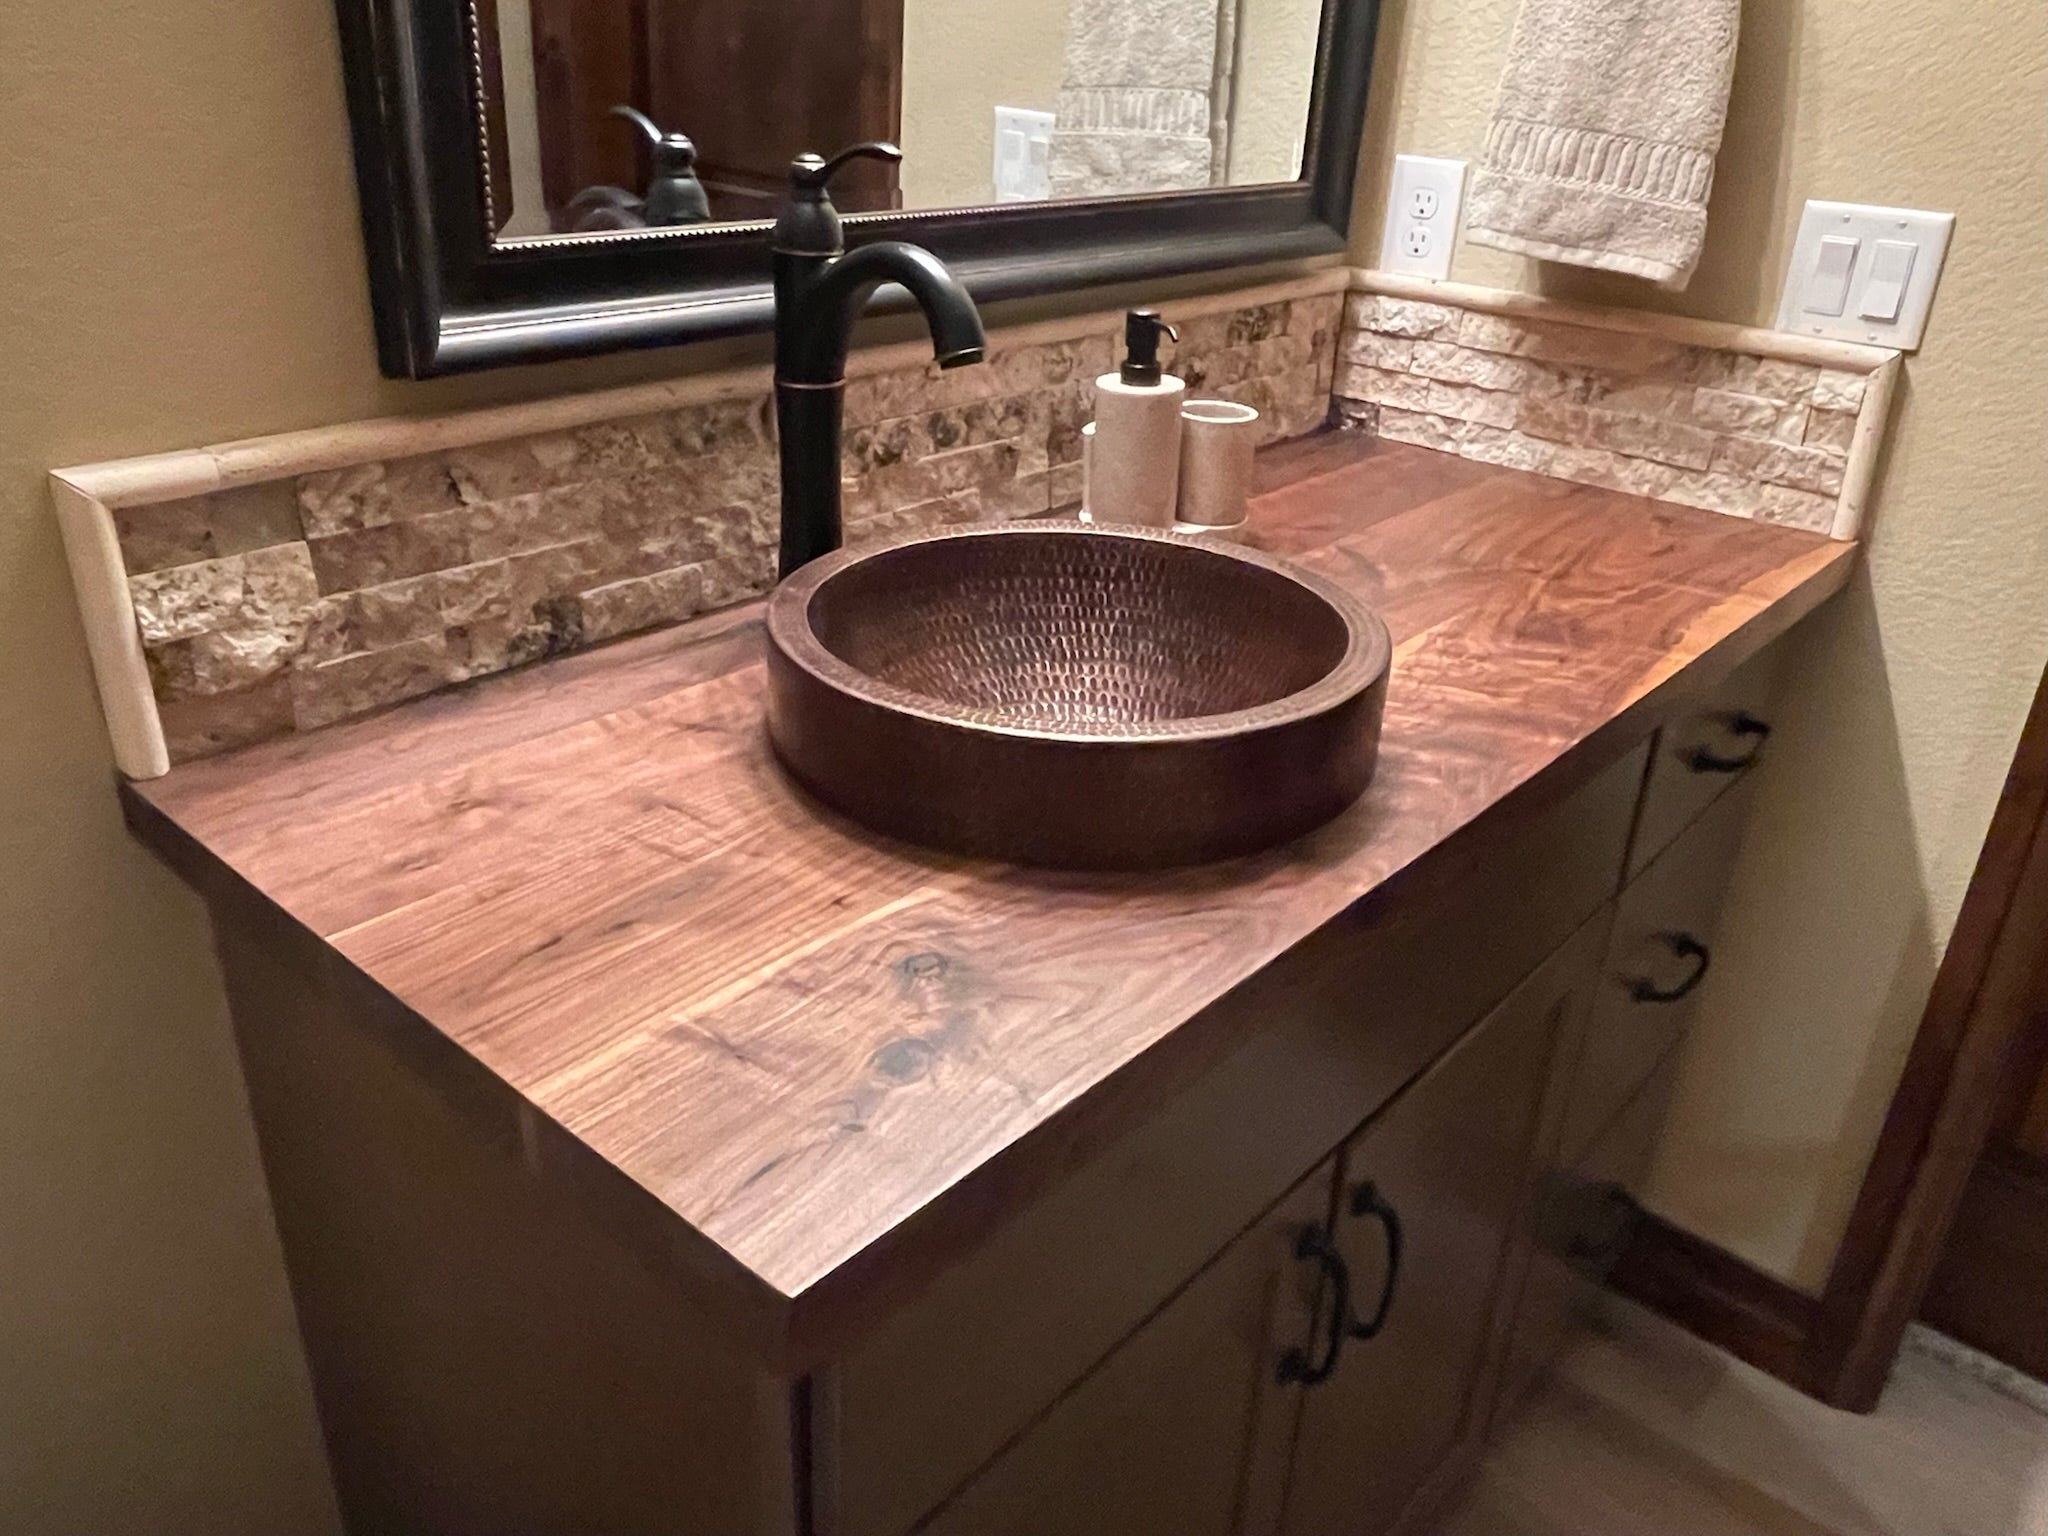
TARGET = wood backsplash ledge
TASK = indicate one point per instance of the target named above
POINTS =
(288, 603)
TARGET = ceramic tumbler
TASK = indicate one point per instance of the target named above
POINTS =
(1217, 440)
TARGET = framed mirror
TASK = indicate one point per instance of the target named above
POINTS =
(544, 178)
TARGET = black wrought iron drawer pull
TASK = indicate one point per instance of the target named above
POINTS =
(1685, 947)
(1743, 726)
(1295, 1365)
(1366, 1200)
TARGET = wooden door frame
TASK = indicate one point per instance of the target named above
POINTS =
(1840, 1346)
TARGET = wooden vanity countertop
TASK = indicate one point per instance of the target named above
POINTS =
(801, 1067)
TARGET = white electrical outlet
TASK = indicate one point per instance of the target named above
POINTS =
(1023, 158)
(1860, 273)
(1423, 206)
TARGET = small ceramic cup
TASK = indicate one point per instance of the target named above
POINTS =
(1217, 439)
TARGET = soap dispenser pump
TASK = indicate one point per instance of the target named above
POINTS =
(1134, 463)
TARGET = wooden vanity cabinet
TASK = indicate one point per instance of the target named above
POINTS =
(1202, 1422)
(1437, 1182)
(1185, 1429)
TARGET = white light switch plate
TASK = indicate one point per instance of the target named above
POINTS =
(1893, 258)
(1424, 202)
(1023, 158)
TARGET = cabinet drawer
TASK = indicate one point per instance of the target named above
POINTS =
(1704, 753)
(1658, 956)
(1323, 1037)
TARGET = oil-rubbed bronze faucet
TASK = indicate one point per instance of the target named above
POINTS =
(820, 292)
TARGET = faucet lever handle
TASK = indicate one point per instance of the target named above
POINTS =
(810, 171)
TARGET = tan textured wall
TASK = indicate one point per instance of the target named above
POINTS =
(179, 264)
(1907, 697)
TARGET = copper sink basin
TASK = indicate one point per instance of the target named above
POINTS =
(1080, 696)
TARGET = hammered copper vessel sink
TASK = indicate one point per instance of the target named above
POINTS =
(1076, 696)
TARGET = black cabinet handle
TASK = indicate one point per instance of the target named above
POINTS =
(1685, 947)
(1366, 1200)
(1295, 1365)
(1744, 727)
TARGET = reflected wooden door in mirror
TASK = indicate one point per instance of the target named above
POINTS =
(543, 178)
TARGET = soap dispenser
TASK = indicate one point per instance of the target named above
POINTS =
(1134, 463)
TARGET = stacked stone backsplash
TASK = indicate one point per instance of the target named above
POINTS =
(289, 603)
(1714, 427)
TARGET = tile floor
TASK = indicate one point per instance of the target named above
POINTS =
(1644, 1430)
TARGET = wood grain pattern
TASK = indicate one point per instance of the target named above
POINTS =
(806, 1052)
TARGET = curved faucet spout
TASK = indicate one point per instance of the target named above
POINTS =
(820, 331)
(818, 299)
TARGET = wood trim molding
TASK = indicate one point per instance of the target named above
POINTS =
(1710, 1292)
(1818, 351)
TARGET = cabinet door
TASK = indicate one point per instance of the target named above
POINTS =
(1184, 1429)
(1436, 1184)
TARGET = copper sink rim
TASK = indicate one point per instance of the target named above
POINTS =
(1367, 654)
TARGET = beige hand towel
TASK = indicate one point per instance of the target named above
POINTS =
(1134, 111)
(1601, 150)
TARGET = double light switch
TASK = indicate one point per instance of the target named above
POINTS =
(1864, 274)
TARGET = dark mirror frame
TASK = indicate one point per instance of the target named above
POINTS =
(448, 298)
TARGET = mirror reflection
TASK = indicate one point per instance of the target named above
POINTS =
(602, 115)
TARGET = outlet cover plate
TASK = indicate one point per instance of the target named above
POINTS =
(1424, 202)
(1867, 305)
(1022, 172)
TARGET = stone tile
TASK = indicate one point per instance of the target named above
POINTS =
(205, 725)
(1629, 395)
(1257, 323)
(222, 661)
(386, 552)
(1640, 437)
(1834, 390)
(1496, 408)
(1615, 351)
(1612, 471)
(262, 587)
(1400, 317)
(1357, 416)
(1831, 430)
(1318, 313)
(1509, 450)
(549, 626)
(209, 527)
(1740, 373)
(1381, 387)
(1461, 365)
(1796, 509)
(1377, 351)
(1805, 469)
(895, 486)
(1423, 430)
(1063, 487)
(1745, 415)
(372, 495)
(354, 685)
(1715, 493)
(1069, 408)
(644, 602)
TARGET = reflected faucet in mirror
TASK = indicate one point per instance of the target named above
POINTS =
(674, 194)
(820, 292)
